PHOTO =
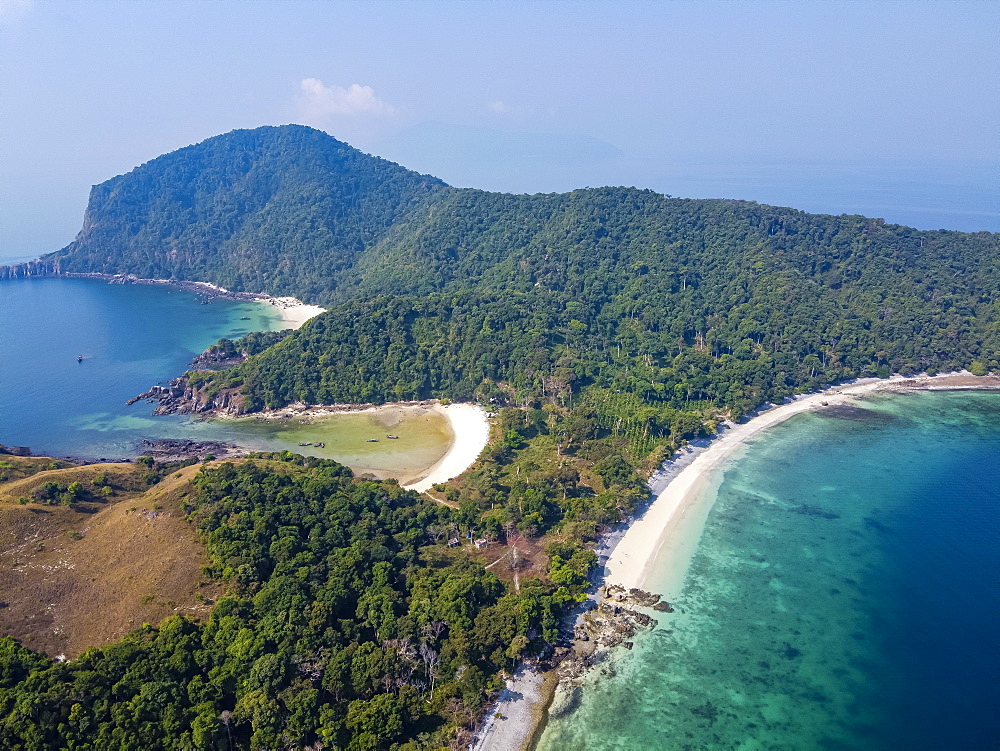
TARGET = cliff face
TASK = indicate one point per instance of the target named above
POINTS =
(50, 267)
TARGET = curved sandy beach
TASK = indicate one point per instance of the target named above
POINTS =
(293, 311)
(632, 558)
(468, 424)
(472, 432)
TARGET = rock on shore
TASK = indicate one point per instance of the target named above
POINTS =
(180, 397)
(174, 450)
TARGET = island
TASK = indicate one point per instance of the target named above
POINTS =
(605, 330)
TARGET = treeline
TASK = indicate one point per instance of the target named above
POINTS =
(345, 627)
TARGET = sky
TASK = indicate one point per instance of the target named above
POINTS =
(889, 109)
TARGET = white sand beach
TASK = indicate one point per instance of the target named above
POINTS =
(293, 311)
(630, 562)
(468, 424)
(472, 432)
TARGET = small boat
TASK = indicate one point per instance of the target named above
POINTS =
(245, 318)
(392, 436)
(372, 440)
(79, 358)
(305, 444)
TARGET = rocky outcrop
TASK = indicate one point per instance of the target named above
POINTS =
(15, 450)
(609, 623)
(180, 397)
(173, 450)
(217, 360)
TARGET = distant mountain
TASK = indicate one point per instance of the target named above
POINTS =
(275, 209)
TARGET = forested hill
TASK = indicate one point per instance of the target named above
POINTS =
(723, 304)
(291, 210)
(275, 209)
(691, 305)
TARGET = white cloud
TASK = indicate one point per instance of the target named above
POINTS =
(317, 101)
(499, 107)
(14, 10)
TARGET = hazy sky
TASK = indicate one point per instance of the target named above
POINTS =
(885, 108)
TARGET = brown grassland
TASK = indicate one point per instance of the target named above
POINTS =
(72, 577)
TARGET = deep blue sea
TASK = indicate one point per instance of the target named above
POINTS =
(845, 594)
(134, 336)
(131, 337)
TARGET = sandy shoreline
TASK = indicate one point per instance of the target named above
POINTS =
(292, 311)
(631, 553)
(471, 432)
(469, 426)
(634, 555)
(517, 713)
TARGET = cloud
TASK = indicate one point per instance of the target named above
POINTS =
(316, 101)
(14, 10)
(499, 107)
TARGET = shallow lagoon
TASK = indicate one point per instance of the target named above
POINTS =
(843, 595)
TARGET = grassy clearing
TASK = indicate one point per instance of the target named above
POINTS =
(17, 467)
(79, 575)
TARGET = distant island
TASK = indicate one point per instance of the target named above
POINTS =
(605, 328)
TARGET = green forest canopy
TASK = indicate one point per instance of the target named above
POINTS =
(346, 627)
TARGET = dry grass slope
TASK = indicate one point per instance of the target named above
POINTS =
(72, 578)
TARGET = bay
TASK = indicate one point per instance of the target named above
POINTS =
(134, 336)
(843, 595)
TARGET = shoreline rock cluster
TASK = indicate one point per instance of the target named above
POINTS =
(175, 450)
(552, 685)
(180, 397)
(15, 450)
(611, 621)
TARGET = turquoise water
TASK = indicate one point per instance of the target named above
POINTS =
(845, 595)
